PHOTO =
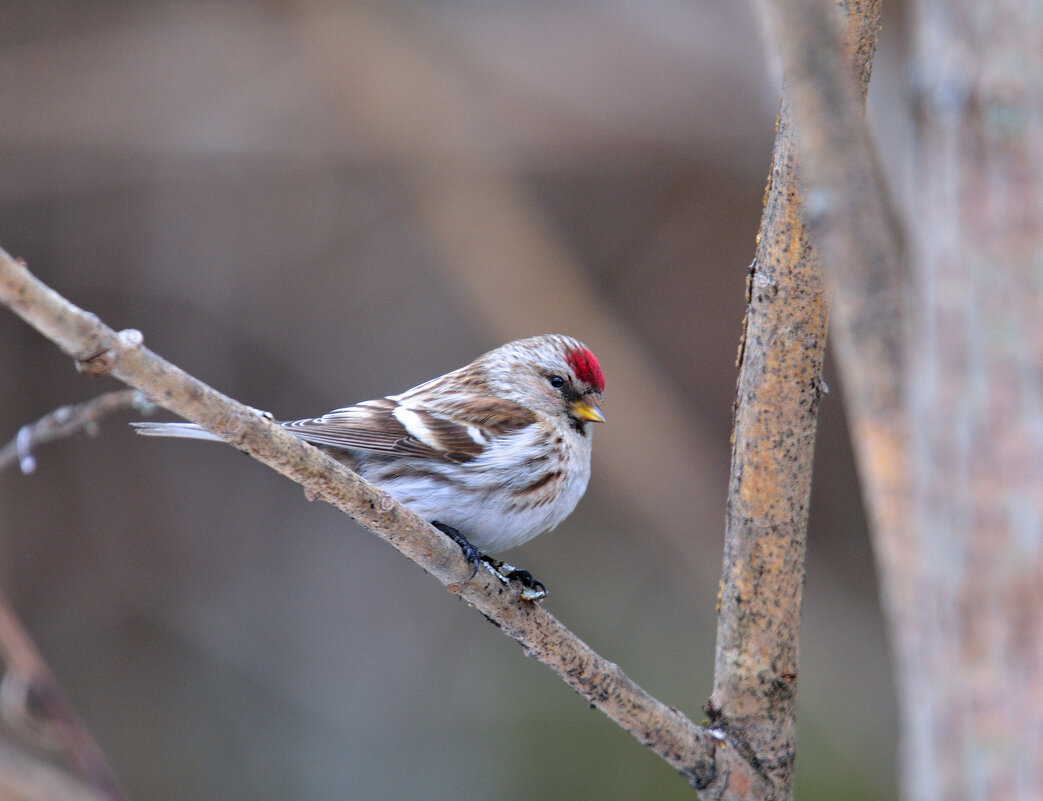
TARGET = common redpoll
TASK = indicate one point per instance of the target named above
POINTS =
(498, 449)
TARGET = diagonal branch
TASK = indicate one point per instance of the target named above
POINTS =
(26, 777)
(698, 754)
(34, 704)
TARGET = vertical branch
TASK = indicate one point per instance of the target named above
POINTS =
(944, 396)
(776, 410)
(780, 382)
(851, 217)
(973, 657)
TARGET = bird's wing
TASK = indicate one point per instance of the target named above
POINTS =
(452, 428)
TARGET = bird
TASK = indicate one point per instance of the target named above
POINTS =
(492, 454)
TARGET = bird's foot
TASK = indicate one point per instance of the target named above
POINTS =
(532, 590)
(471, 554)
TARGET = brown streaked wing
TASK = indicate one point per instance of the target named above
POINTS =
(370, 426)
(373, 426)
(495, 416)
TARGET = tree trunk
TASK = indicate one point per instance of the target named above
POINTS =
(971, 644)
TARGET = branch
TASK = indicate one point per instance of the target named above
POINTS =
(64, 422)
(773, 444)
(34, 704)
(31, 700)
(777, 400)
(699, 755)
(856, 227)
(27, 778)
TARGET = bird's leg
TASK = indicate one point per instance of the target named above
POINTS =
(532, 590)
(471, 554)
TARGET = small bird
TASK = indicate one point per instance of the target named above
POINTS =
(492, 454)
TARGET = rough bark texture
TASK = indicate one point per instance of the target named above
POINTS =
(780, 383)
(972, 650)
(944, 393)
(854, 225)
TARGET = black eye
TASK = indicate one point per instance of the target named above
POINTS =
(556, 381)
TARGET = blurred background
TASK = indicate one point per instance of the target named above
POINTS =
(306, 204)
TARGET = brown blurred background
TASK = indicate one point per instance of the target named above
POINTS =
(309, 204)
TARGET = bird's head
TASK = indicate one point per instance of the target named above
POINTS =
(553, 374)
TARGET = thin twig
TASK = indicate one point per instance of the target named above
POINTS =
(31, 700)
(698, 754)
(64, 422)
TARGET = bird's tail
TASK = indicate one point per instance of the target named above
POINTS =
(185, 430)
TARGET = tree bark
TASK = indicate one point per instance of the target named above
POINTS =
(776, 415)
(780, 384)
(943, 384)
(971, 652)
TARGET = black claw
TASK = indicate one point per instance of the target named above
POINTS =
(471, 554)
(533, 589)
(525, 578)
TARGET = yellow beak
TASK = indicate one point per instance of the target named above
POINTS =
(582, 410)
